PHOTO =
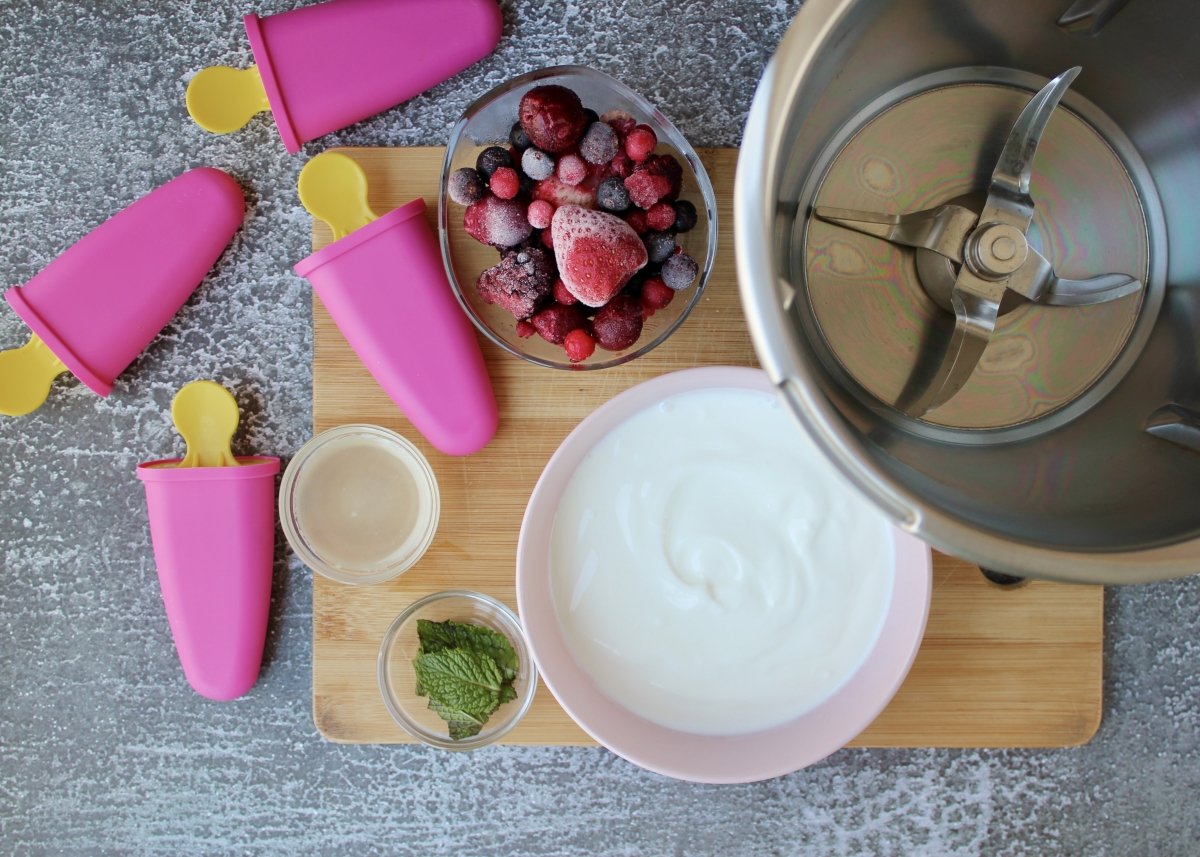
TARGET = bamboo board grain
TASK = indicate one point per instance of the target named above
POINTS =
(998, 667)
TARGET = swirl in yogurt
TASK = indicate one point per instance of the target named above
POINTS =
(711, 570)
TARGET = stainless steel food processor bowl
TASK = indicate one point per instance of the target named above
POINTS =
(1067, 445)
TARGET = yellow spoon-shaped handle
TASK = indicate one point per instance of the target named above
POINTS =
(25, 377)
(222, 99)
(333, 188)
(206, 414)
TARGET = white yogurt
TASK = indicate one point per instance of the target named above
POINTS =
(711, 571)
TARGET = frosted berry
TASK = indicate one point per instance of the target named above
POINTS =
(553, 117)
(660, 216)
(618, 324)
(571, 170)
(499, 222)
(611, 195)
(519, 139)
(679, 271)
(579, 345)
(562, 294)
(659, 246)
(491, 159)
(540, 214)
(555, 321)
(599, 143)
(537, 164)
(504, 183)
(685, 216)
(621, 165)
(525, 329)
(656, 294)
(519, 283)
(640, 142)
(466, 186)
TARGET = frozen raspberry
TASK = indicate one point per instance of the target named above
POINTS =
(640, 142)
(571, 170)
(539, 214)
(679, 271)
(668, 167)
(685, 216)
(537, 164)
(499, 222)
(618, 324)
(647, 187)
(555, 321)
(466, 186)
(656, 294)
(599, 143)
(553, 117)
(659, 246)
(620, 121)
(519, 282)
(491, 159)
(611, 195)
(579, 345)
(525, 329)
(504, 183)
(519, 139)
(621, 165)
(559, 194)
(597, 253)
(636, 220)
(562, 294)
(660, 216)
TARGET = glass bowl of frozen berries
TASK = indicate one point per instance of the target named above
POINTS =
(578, 226)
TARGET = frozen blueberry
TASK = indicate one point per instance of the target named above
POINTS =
(659, 245)
(685, 216)
(466, 186)
(591, 115)
(612, 195)
(537, 164)
(519, 139)
(599, 143)
(491, 159)
(679, 271)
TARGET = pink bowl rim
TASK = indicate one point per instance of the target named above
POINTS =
(702, 758)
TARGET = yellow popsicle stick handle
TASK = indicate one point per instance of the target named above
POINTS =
(206, 414)
(222, 99)
(26, 374)
(333, 187)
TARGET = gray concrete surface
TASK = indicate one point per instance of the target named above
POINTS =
(104, 749)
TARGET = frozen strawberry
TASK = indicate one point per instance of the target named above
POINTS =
(555, 321)
(505, 184)
(553, 117)
(499, 222)
(539, 214)
(519, 282)
(618, 324)
(579, 345)
(640, 142)
(660, 216)
(597, 253)
(571, 169)
(562, 294)
(559, 194)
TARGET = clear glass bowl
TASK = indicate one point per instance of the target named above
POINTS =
(487, 122)
(397, 679)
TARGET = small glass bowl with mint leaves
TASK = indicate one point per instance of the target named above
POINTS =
(454, 670)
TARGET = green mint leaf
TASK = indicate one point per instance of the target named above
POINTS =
(461, 680)
(438, 636)
(462, 725)
(507, 692)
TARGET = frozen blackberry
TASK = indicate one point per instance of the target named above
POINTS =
(466, 186)
(519, 283)
(599, 143)
(611, 194)
(519, 139)
(659, 245)
(491, 159)
(537, 164)
(685, 216)
(679, 271)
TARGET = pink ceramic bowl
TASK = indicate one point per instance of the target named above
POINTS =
(705, 758)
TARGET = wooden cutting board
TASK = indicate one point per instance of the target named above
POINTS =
(999, 667)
